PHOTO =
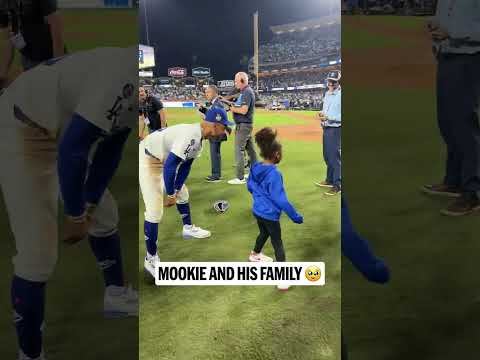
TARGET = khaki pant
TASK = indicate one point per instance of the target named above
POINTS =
(244, 142)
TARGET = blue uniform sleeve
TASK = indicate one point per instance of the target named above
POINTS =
(279, 198)
(182, 173)
(170, 172)
(358, 251)
(104, 164)
(72, 163)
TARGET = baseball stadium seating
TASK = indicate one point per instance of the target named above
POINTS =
(389, 7)
(294, 62)
(293, 65)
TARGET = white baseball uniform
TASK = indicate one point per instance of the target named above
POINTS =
(185, 141)
(35, 110)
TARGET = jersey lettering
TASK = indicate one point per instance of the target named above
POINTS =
(54, 60)
(114, 112)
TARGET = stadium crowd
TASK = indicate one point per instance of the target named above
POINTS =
(174, 93)
(300, 99)
(291, 47)
(407, 7)
(293, 99)
(291, 79)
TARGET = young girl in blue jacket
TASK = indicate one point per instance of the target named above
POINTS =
(269, 198)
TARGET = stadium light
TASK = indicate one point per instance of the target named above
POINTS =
(146, 21)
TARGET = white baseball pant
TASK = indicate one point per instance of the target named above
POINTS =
(150, 172)
(30, 188)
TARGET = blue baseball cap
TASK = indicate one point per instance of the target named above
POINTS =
(219, 116)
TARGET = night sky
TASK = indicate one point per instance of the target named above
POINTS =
(217, 33)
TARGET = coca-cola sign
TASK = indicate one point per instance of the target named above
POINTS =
(177, 72)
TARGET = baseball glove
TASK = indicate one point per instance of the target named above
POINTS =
(221, 206)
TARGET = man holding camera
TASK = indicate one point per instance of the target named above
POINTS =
(32, 27)
(151, 108)
(243, 109)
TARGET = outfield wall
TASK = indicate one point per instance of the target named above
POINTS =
(178, 104)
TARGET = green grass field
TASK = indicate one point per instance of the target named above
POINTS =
(362, 39)
(75, 328)
(390, 150)
(246, 323)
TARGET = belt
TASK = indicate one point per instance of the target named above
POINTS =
(150, 154)
(21, 116)
(452, 54)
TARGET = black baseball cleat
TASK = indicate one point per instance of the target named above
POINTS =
(212, 179)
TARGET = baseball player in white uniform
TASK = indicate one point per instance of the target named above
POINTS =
(165, 160)
(63, 127)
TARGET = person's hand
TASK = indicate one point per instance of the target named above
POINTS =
(439, 35)
(436, 31)
(431, 25)
(298, 219)
(321, 116)
(170, 200)
(76, 229)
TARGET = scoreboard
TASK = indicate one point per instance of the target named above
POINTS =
(146, 57)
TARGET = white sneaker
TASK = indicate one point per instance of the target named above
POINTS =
(254, 257)
(195, 232)
(237, 181)
(120, 301)
(22, 356)
(149, 264)
(283, 287)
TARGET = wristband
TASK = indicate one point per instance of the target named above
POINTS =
(78, 219)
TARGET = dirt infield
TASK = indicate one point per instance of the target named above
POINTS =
(305, 132)
(409, 64)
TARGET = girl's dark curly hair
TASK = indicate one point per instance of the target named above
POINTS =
(266, 140)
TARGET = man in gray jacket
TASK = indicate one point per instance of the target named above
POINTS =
(243, 109)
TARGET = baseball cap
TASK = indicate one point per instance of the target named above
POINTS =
(219, 116)
(334, 75)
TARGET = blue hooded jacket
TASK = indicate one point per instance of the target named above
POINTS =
(358, 251)
(269, 198)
